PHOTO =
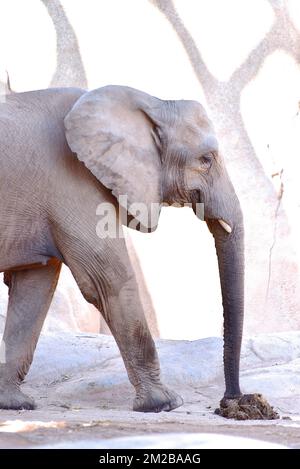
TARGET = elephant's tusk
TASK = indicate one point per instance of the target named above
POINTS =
(225, 226)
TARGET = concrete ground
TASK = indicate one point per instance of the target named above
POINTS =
(84, 399)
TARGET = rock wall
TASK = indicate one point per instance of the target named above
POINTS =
(240, 59)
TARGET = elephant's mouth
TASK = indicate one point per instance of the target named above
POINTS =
(196, 198)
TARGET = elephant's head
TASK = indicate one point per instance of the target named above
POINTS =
(156, 151)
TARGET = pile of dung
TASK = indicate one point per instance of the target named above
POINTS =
(247, 407)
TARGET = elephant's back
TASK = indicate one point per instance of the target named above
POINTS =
(32, 131)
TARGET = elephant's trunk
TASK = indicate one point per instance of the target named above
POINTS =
(230, 253)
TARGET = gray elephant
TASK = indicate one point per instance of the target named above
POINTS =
(62, 153)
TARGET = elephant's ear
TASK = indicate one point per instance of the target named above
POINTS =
(113, 130)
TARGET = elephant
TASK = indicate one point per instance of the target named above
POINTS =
(63, 153)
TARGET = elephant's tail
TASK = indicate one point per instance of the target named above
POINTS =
(8, 85)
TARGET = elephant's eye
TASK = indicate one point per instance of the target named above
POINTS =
(206, 161)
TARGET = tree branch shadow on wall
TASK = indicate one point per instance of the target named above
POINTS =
(214, 90)
(70, 69)
(282, 36)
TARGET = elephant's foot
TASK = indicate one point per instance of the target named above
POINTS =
(12, 398)
(157, 399)
(247, 407)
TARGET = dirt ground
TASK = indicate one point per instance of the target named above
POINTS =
(27, 429)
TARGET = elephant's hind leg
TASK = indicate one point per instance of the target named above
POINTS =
(30, 295)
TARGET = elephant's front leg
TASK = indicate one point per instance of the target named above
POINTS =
(105, 276)
(127, 323)
(30, 294)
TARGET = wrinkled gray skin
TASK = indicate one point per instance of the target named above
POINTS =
(128, 143)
